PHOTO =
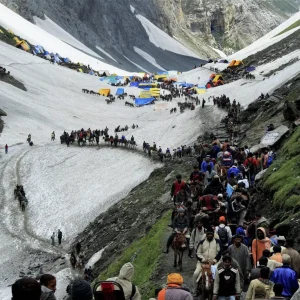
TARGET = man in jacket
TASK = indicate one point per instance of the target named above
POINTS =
(173, 291)
(131, 292)
(209, 249)
(180, 224)
(286, 276)
(295, 256)
(178, 185)
(227, 281)
(198, 234)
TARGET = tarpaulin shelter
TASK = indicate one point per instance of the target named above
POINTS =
(217, 78)
(66, 60)
(250, 69)
(161, 73)
(155, 92)
(22, 45)
(120, 91)
(201, 90)
(91, 72)
(238, 63)
(232, 63)
(145, 94)
(160, 77)
(134, 84)
(147, 85)
(143, 101)
(104, 92)
(80, 70)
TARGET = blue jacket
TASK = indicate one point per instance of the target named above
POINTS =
(233, 170)
(288, 278)
(205, 164)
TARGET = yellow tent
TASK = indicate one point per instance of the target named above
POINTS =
(160, 76)
(145, 94)
(238, 63)
(23, 45)
(232, 63)
(155, 92)
(10, 31)
(201, 91)
(16, 39)
(80, 70)
(104, 92)
(217, 78)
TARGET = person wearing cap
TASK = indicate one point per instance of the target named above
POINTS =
(205, 163)
(209, 249)
(173, 290)
(224, 232)
(240, 253)
(286, 276)
(177, 185)
(180, 224)
(277, 254)
(26, 288)
(227, 281)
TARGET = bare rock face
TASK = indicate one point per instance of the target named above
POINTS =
(227, 25)
(199, 24)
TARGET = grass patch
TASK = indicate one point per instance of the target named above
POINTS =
(144, 254)
(294, 25)
(284, 183)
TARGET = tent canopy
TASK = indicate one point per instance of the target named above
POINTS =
(250, 69)
(146, 94)
(104, 92)
(120, 91)
(143, 101)
(217, 78)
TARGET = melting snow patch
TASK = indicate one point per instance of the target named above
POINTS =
(106, 53)
(148, 57)
(94, 258)
(132, 9)
(162, 40)
(140, 67)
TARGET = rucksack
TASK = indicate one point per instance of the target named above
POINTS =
(269, 161)
(251, 165)
(222, 233)
(107, 290)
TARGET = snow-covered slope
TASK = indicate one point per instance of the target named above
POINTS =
(269, 39)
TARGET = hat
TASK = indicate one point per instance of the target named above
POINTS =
(81, 290)
(175, 278)
(281, 238)
(222, 219)
(220, 195)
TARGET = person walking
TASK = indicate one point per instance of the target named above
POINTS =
(53, 239)
(173, 290)
(259, 244)
(6, 149)
(286, 276)
(295, 256)
(227, 281)
(53, 136)
(59, 236)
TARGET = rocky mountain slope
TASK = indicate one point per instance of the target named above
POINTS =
(198, 24)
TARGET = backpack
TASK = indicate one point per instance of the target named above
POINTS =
(269, 161)
(251, 165)
(104, 290)
(222, 233)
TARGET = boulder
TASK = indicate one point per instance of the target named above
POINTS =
(2, 113)
(290, 112)
(272, 137)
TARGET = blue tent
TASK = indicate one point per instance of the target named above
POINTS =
(186, 85)
(143, 101)
(46, 53)
(135, 84)
(120, 91)
(102, 78)
(250, 69)
(66, 60)
(146, 88)
(91, 72)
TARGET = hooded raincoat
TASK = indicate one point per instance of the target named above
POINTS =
(124, 279)
(258, 246)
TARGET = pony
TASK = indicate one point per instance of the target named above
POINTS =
(178, 246)
(206, 281)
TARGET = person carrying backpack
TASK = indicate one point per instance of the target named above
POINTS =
(251, 166)
(131, 291)
(224, 232)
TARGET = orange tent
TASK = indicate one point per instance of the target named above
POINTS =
(238, 63)
(232, 63)
(212, 75)
(104, 92)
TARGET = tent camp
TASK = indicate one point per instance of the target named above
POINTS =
(250, 69)
(155, 92)
(238, 63)
(134, 84)
(217, 78)
(23, 45)
(231, 63)
(145, 94)
(104, 92)
(200, 90)
(120, 91)
(143, 101)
